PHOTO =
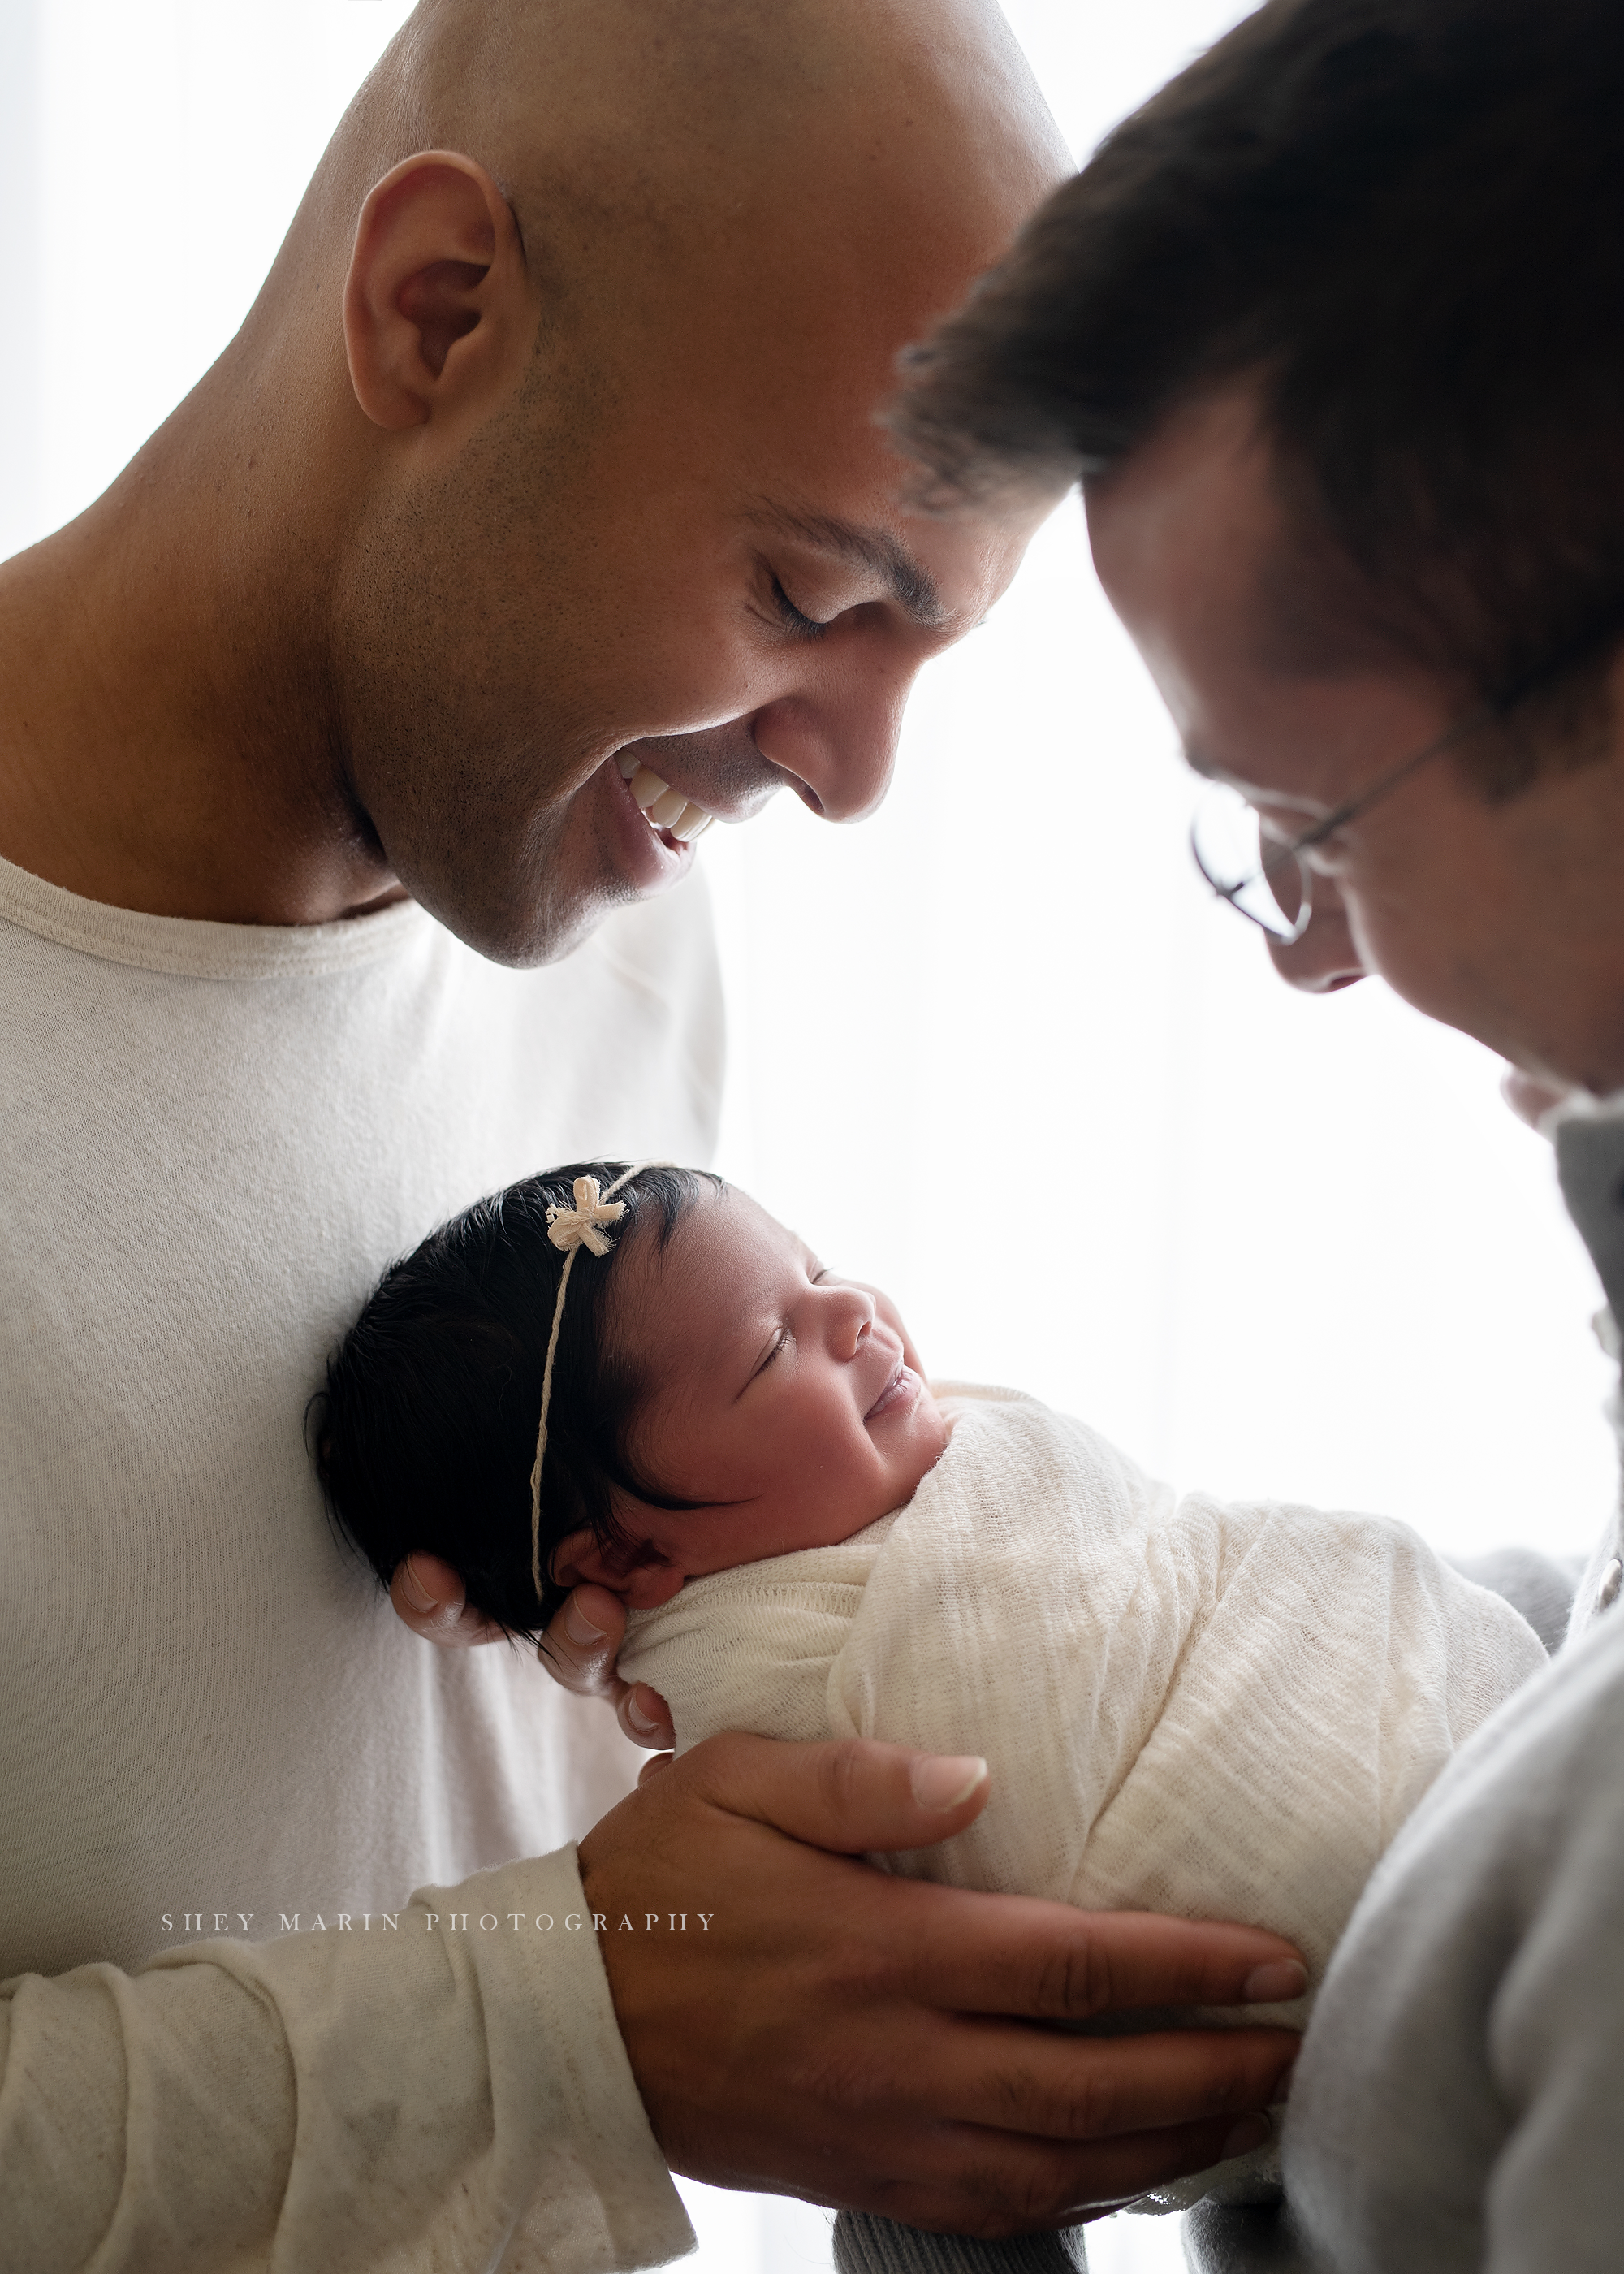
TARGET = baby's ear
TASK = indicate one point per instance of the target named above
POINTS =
(579, 1558)
(651, 1585)
(642, 1578)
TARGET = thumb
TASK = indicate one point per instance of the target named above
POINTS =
(849, 1796)
(429, 1596)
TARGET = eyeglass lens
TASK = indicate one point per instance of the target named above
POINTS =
(1254, 873)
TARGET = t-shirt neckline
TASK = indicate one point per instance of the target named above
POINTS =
(189, 948)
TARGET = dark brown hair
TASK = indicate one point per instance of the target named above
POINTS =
(425, 1435)
(1404, 221)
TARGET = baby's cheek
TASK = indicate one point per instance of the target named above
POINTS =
(931, 1431)
(945, 1430)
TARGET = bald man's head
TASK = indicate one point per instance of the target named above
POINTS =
(630, 132)
(572, 359)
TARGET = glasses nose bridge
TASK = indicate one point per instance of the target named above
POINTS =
(1271, 885)
(1218, 796)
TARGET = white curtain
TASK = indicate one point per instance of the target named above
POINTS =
(994, 1049)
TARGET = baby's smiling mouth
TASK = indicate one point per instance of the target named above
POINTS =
(901, 1381)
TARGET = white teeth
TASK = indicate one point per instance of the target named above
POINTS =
(665, 807)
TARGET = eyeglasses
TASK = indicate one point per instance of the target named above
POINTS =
(1273, 885)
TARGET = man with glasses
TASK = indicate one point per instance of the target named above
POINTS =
(1332, 332)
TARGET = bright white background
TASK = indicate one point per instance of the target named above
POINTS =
(994, 1049)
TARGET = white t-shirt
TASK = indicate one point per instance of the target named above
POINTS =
(214, 1138)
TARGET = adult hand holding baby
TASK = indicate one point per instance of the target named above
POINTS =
(582, 1643)
(816, 2026)
(867, 2041)
(584, 1637)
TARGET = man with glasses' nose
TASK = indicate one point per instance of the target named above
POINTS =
(1282, 874)
(1333, 333)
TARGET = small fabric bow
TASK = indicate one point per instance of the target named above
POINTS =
(578, 1227)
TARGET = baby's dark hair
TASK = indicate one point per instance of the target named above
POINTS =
(426, 1437)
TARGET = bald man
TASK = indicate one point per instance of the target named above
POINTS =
(535, 518)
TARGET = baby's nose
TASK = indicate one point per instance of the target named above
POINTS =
(860, 1318)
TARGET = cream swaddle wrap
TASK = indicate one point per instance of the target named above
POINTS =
(1219, 1711)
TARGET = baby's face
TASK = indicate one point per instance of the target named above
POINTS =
(782, 1400)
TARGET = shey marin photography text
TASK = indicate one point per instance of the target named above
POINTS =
(254, 1925)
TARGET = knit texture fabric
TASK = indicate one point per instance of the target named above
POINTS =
(1213, 1709)
(215, 1137)
(865, 2245)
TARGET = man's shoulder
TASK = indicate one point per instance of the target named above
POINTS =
(1479, 1978)
(1541, 1779)
(1565, 1723)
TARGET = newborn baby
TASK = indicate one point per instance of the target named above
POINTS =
(1221, 1711)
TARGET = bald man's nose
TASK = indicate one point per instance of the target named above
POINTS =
(1325, 959)
(842, 748)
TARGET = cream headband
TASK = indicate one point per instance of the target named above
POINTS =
(572, 1230)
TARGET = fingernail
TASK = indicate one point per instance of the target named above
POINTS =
(943, 1781)
(635, 1715)
(1275, 1983)
(416, 1594)
(578, 1627)
(1250, 2132)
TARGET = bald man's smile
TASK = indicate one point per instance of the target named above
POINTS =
(538, 517)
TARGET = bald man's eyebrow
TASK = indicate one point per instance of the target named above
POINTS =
(909, 584)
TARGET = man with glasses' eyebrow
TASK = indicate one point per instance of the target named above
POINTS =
(1333, 333)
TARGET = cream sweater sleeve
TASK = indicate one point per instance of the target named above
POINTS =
(428, 2098)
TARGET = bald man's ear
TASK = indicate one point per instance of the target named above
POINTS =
(436, 304)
